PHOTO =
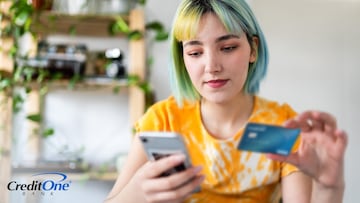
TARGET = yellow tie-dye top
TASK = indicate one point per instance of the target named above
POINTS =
(230, 175)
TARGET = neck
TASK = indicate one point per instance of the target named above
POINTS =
(225, 119)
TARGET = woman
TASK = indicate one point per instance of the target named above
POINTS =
(219, 58)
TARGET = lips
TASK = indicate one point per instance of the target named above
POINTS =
(216, 83)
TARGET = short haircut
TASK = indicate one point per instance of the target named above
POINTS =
(237, 18)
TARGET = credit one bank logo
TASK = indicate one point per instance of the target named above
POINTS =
(42, 182)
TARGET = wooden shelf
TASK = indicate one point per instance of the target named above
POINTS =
(88, 82)
(46, 23)
(73, 174)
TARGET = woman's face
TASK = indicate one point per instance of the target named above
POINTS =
(217, 61)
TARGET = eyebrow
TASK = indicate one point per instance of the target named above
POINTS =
(222, 38)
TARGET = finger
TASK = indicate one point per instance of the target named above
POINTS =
(342, 139)
(315, 125)
(173, 181)
(329, 121)
(297, 123)
(306, 121)
(178, 194)
(291, 158)
(156, 168)
(315, 121)
(291, 123)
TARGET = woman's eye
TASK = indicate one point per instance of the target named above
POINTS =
(228, 48)
(194, 54)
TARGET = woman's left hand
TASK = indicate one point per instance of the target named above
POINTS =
(322, 149)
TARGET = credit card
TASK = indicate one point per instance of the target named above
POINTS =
(266, 138)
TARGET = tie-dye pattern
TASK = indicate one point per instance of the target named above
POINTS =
(231, 175)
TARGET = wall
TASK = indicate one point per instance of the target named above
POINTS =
(314, 64)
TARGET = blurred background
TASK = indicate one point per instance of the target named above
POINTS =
(314, 64)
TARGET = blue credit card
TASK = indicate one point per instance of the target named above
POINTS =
(266, 138)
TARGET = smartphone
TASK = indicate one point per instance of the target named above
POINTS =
(162, 144)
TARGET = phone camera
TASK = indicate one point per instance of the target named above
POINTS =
(143, 139)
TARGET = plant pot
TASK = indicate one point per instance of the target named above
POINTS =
(72, 7)
(115, 7)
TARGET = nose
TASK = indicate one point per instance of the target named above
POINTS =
(212, 64)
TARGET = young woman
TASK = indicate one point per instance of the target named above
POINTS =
(220, 56)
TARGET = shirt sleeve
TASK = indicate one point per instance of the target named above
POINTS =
(147, 121)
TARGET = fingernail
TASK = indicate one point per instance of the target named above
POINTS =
(197, 169)
(201, 179)
(179, 157)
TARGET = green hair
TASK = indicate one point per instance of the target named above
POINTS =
(237, 18)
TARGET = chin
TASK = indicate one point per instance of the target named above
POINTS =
(217, 98)
(221, 97)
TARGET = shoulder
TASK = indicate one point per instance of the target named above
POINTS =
(168, 103)
(164, 114)
(170, 106)
(270, 109)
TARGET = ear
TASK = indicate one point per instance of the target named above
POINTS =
(254, 48)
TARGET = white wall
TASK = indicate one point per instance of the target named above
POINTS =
(314, 64)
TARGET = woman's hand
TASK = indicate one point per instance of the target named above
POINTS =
(174, 188)
(322, 149)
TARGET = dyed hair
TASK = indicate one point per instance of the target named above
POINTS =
(237, 18)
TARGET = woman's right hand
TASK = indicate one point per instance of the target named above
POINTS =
(174, 188)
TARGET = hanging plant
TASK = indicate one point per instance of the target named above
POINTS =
(20, 17)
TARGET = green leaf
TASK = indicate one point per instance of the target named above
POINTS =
(35, 118)
(56, 76)
(44, 90)
(4, 83)
(27, 24)
(72, 30)
(75, 79)
(150, 61)
(42, 75)
(17, 102)
(27, 89)
(133, 79)
(48, 132)
(135, 35)
(20, 19)
(119, 26)
(18, 73)
(142, 2)
(155, 25)
(13, 51)
(145, 87)
(28, 73)
(161, 36)
(158, 27)
(116, 89)
(52, 18)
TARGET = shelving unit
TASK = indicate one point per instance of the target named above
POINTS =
(6, 67)
(86, 25)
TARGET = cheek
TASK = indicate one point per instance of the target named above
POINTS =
(192, 68)
(238, 64)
